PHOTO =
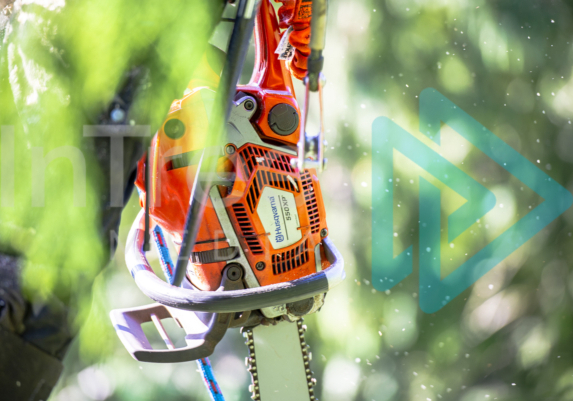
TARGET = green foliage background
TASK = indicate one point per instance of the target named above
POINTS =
(508, 64)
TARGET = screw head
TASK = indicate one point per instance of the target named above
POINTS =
(323, 232)
(234, 272)
(249, 104)
(260, 266)
(230, 149)
(174, 128)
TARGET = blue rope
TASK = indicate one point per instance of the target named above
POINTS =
(164, 257)
(167, 267)
(209, 379)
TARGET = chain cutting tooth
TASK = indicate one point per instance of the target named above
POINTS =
(251, 362)
(306, 357)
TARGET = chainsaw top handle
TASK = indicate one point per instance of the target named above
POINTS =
(228, 301)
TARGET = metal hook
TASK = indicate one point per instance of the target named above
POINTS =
(311, 146)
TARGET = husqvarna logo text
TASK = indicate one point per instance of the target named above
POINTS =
(279, 237)
(278, 214)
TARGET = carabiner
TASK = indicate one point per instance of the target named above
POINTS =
(311, 147)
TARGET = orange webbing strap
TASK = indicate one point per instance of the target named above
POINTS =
(297, 13)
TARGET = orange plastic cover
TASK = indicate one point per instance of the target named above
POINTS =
(258, 170)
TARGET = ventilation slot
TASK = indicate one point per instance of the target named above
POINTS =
(310, 199)
(254, 156)
(291, 259)
(266, 178)
(247, 229)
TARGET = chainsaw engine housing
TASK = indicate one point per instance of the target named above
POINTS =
(265, 215)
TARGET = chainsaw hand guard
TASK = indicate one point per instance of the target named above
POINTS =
(227, 301)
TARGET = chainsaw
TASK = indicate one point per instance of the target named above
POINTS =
(235, 194)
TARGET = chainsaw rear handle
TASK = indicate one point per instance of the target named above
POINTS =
(202, 334)
(227, 301)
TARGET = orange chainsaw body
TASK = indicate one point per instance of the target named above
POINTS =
(259, 172)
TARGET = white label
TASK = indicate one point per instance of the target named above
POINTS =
(288, 54)
(277, 211)
(284, 49)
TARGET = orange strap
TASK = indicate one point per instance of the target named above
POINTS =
(297, 13)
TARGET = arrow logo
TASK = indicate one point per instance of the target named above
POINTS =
(435, 291)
